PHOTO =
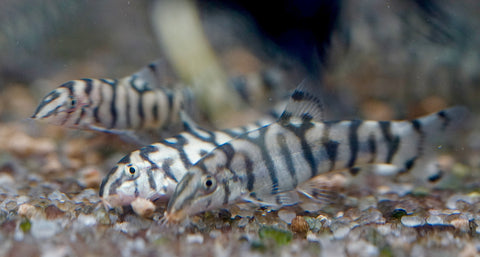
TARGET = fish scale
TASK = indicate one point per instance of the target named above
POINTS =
(315, 146)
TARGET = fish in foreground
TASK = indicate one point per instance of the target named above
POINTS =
(267, 166)
(153, 172)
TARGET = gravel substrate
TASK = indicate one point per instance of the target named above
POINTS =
(393, 67)
(54, 210)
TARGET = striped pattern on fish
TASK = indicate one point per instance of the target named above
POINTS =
(154, 171)
(144, 100)
(103, 104)
(267, 166)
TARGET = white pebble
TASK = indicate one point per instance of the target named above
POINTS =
(194, 239)
(312, 237)
(452, 201)
(58, 196)
(87, 220)
(412, 221)
(286, 216)
(435, 220)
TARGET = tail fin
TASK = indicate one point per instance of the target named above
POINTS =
(421, 140)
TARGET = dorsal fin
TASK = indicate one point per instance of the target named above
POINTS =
(157, 75)
(304, 103)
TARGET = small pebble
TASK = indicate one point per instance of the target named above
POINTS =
(412, 221)
(143, 207)
(87, 220)
(452, 201)
(58, 196)
(435, 220)
(299, 225)
(286, 215)
(314, 224)
(313, 237)
(371, 216)
(460, 224)
(11, 205)
(194, 239)
(26, 210)
(53, 212)
(340, 231)
(6, 180)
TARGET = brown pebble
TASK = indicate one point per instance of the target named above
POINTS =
(460, 224)
(53, 212)
(299, 225)
(143, 207)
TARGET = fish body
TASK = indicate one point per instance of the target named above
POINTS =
(268, 165)
(140, 101)
(145, 100)
(154, 171)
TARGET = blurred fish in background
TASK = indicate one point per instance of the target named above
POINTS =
(378, 59)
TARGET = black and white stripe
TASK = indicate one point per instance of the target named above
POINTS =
(144, 100)
(162, 165)
(265, 160)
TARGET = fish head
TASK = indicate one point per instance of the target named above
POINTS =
(133, 177)
(60, 106)
(198, 191)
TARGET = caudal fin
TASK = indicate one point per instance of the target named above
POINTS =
(422, 139)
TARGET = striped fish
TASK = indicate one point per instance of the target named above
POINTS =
(139, 101)
(153, 171)
(268, 166)
(143, 100)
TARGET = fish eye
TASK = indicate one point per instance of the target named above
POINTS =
(131, 170)
(209, 183)
(73, 102)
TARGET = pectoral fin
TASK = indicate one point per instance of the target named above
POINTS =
(319, 189)
(281, 199)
